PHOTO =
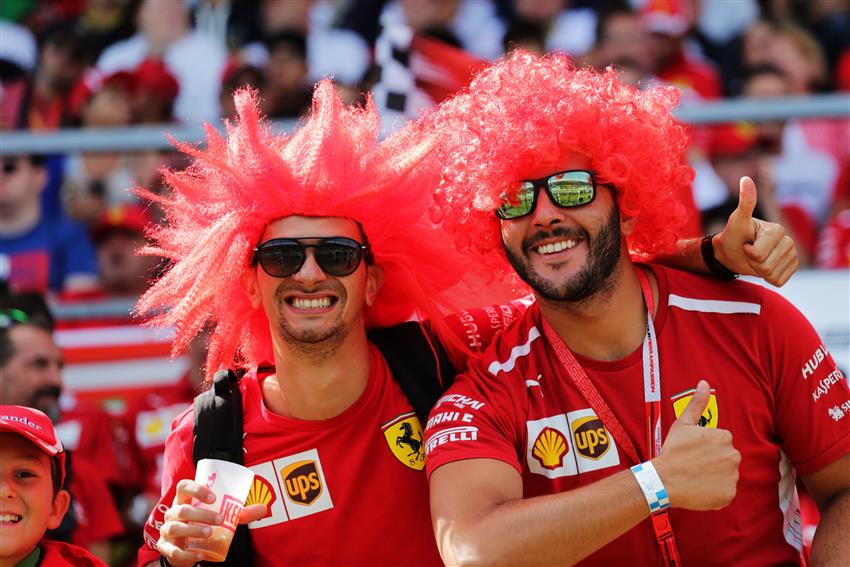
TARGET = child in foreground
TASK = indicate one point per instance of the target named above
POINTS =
(32, 470)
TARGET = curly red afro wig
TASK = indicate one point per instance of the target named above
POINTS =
(333, 165)
(525, 113)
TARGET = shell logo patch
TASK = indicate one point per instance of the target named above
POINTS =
(302, 483)
(709, 417)
(549, 448)
(405, 440)
(261, 493)
(591, 439)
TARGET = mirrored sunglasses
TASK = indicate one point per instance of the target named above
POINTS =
(573, 188)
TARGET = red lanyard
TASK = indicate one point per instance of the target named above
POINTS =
(652, 401)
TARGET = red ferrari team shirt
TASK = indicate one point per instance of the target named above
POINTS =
(774, 386)
(350, 490)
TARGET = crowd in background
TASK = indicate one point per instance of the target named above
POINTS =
(70, 225)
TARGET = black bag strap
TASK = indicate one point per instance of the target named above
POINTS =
(418, 363)
(218, 435)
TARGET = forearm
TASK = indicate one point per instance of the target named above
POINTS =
(831, 546)
(558, 528)
(686, 257)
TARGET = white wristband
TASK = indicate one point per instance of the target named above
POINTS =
(652, 487)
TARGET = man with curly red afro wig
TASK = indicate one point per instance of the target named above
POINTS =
(588, 430)
(289, 247)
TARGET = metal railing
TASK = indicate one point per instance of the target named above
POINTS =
(154, 137)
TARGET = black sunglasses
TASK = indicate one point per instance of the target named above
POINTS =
(10, 167)
(283, 257)
(572, 188)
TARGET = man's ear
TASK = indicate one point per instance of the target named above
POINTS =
(249, 284)
(61, 501)
(374, 281)
(627, 224)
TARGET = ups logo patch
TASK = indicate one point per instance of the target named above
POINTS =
(591, 439)
(302, 482)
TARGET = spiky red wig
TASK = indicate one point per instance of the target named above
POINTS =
(524, 113)
(334, 166)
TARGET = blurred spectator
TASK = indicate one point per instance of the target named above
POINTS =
(31, 366)
(758, 41)
(63, 58)
(720, 28)
(155, 93)
(95, 181)
(18, 54)
(622, 40)
(797, 54)
(331, 51)
(38, 251)
(833, 249)
(118, 236)
(524, 34)
(286, 91)
(476, 24)
(195, 60)
(672, 61)
(236, 76)
(104, 22)
(567, 29)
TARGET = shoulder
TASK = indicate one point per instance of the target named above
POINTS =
(508, 355)
(57, 554)
(692, 292)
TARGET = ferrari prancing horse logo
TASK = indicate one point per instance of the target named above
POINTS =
(404, 437)
(709, 417)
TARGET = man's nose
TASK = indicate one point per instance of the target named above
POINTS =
(546, 213)
(310, 271)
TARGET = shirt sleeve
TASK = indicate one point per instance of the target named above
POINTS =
(177, 465)
(476, 418)
(478, 327)
(811, 396)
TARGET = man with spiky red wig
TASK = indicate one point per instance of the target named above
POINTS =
(289, 248)
(599, 428)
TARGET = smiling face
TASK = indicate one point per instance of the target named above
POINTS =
(312, 310)
(567, 254)
(28, 505)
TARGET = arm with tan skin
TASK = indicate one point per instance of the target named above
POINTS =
(182, 520)
(830, 487)
(480, 517)
(747, 245)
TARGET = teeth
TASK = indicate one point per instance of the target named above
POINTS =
(300, 303)
(10, 518)
(556, 246)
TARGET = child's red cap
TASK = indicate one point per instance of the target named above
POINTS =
(36, 427)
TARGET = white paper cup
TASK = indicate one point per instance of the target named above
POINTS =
(230, 483)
